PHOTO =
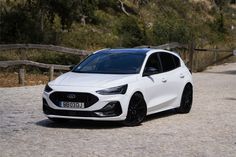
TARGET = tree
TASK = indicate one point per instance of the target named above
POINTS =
(19, 25)
(170, 30)
(130, 33)
(34, 20)
(221, 3)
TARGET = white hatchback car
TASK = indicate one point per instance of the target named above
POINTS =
(120, 85)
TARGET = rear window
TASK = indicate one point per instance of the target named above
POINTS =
(168, 62)
(177, 61)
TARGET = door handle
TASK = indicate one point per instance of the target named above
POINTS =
(181, 75)
(164, 80)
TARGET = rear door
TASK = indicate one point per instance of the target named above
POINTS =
(173, 77)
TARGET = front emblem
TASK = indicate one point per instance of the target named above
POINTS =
(71, 96)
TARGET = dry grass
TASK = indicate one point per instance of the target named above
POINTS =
(11, 79)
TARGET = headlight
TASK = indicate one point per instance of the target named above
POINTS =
(113, 90)
(47, 88)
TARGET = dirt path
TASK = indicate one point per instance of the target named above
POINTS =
(208, 131)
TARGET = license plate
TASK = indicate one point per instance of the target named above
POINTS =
(67, 104)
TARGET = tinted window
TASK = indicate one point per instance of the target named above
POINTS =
(167, 61)
(177, 61)
(112, 63)
(153, 62)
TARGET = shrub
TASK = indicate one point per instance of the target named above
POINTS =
(170, 30)
(129, 32)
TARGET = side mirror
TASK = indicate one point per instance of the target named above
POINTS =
(71, 67)
(150, 71)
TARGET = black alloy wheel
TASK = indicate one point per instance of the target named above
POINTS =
(137, 110)
(186, 100)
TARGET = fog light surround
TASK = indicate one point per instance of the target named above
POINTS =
(110, 110)
(45, 102)
(47, 88)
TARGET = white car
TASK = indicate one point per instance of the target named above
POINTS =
(120, 85)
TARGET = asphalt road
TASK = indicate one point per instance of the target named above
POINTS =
(209, 130)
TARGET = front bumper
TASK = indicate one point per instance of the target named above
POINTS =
(104, 112)
(97, 111)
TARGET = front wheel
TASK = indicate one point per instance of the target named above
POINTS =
(137, 110)
(186, 100)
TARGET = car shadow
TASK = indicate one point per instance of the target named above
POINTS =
(160, 115)
(89, 124)
(229, 72)
(80, 124)
(230, 98)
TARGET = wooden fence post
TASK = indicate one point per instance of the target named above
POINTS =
(21, 77)
(191, 53)
(215, 55)
(51, 73)
(22, 68)
(196, 61)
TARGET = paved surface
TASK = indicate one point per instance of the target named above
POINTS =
(208, 131)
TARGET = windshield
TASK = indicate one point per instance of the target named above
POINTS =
(111, 63)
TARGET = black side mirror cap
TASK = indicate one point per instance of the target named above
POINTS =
(150, 71)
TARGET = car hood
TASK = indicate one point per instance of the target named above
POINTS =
(93, 80)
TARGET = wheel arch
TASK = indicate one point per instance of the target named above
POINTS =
(182, 109)
(139, 92)
(140, 95)
(189, 84)
(186, 84)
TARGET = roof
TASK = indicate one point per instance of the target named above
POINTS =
(126, 50)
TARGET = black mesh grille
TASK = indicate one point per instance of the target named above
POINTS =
(87, 98)
(49, 111)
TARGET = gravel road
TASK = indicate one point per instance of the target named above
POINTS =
(208, 131)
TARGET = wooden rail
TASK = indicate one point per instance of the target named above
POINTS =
(24, 62)
(167, 46)
(4, 47)
(5, 64)
(214, 62)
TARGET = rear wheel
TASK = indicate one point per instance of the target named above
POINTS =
(137, 110)
(186, 100)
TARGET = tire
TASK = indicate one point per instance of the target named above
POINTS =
(186, 100)
(137, 111)
(58, 120)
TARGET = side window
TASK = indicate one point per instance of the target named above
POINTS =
(153, 62)
(177, 61)
(167, 61)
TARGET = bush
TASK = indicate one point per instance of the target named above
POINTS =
(19, 26)
(170, 30)
(129, 32)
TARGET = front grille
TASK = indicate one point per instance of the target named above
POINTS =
(116, 111)
(50, 111)
(87, 98)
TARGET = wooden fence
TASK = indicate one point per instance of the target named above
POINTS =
(188, 52)
(24, 62)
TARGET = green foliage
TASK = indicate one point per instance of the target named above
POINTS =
(88, 37)
(93, 24)
(221, 3)
(129, 32)
(218, 24)
(170, 30)
(109, 6)
(19, 25)
(52, 58)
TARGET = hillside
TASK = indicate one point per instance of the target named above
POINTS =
(118, 23)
